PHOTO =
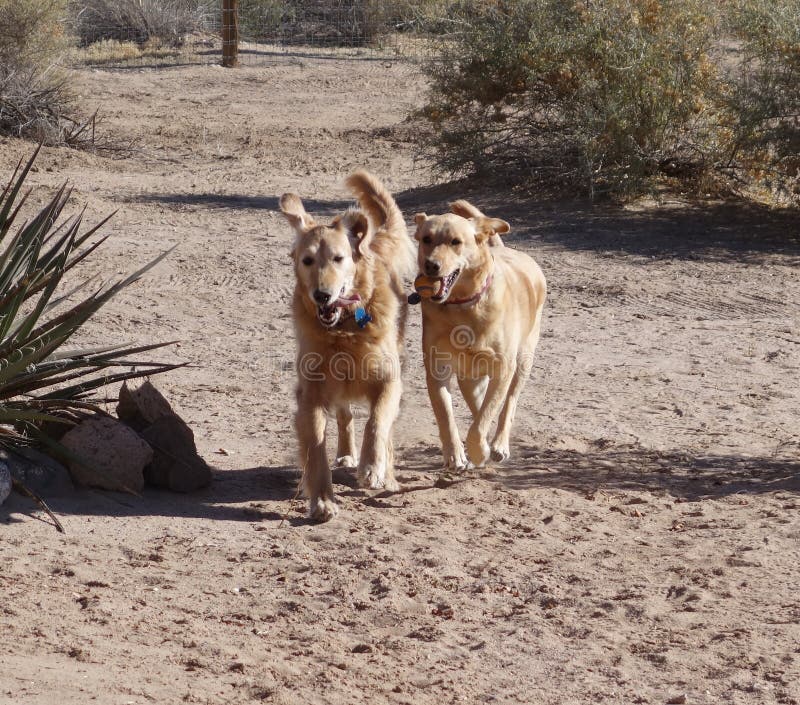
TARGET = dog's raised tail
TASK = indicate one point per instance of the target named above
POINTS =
(378, 203)
(465, 209)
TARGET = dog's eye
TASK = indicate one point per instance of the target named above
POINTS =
(338, 258)
(427, 239)
(455, 242)
(308, 261)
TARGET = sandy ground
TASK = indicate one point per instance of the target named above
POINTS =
(642, 545)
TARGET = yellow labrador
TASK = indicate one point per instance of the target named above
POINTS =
(480, 324)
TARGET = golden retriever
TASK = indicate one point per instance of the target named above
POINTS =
(480, 323)
(349, 314)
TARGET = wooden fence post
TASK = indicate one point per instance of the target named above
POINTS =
(230, 33)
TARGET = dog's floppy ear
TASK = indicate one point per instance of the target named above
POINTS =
(490, 229)
(419, 219)
(357, 226)
(465, 209)
(292, 208)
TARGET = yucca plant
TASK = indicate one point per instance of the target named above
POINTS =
(40, 380)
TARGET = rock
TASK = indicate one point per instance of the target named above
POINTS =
(40, 473)
(176, 464)
(114, 455)
(141, 404)
(5, 481)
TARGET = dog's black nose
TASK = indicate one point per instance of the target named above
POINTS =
(321, 297)
(432, 267)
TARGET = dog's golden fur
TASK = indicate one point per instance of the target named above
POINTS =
(488, 341)
(364, 252)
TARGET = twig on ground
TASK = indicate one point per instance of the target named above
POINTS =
(22, 489)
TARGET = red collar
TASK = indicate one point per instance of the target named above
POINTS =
(474, 298)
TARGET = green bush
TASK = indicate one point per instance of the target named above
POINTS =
(601, 96)
(765, 95)
(31, 33)
(33, 93)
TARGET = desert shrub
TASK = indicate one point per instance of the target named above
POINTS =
(425, 16)
(140, 21)
(321, 22)
(34, 97)
(601, 96)
(262, 19)
(31, 32)
(765, 95)
(42, 380)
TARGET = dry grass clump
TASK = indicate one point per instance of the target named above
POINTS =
(113, 51)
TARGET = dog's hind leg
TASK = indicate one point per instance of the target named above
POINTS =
(346, 455)
(374, 468)
(500, 444)
(310, 422)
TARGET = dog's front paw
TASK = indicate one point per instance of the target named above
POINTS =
(477, 448)
(455, 460)
(321, 509)
(391, 485)
(500, 452)
(347, 462)
(372, 475)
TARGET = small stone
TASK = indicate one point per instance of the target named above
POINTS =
(141, 404)
(113, 455)
(176, 464)
(677, 699)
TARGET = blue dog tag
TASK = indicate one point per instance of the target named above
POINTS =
(362, 317)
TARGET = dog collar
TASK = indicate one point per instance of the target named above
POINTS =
(474, 298)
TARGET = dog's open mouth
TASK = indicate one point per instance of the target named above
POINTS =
(445, 285)
(329, 314)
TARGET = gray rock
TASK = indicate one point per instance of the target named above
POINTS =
(176, 464)
(5, 481)
(113, 455)
(141, 404)
(40, 473)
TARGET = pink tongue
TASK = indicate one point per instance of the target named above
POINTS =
(343, 301)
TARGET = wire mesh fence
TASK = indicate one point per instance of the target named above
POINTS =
(148, 32)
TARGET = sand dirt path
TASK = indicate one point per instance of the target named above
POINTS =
(642, 546)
